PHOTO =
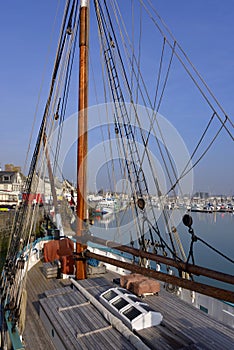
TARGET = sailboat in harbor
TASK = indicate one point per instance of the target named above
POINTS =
(67, 283)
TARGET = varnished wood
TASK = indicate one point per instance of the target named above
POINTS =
(82, 137)
(180, 265)
(214, 292)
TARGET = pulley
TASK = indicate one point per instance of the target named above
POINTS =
(141, 203)
(116, 128)
(187, 220)
(69, 30)
(56, 115)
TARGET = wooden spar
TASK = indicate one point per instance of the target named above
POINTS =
(82, 135)
(180, 265)
(50, 173)
(214, 292)
(52, 186)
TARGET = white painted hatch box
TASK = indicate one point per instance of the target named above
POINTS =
(130, 309)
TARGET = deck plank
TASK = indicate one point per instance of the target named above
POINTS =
(183, 326)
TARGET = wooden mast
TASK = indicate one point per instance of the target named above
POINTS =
(82, 137)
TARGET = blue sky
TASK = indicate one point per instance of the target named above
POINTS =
(204, 28)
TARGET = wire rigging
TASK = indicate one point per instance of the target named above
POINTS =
(140, 179)
(189, 72)
(24, 221)
(147, 111)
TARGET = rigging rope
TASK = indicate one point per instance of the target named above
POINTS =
(110, 69)
(142, 136)
(137, 75)
(188, 221)
(185, 172)
(178, 178)
(189, 72)
(40, 91)
(118, 98)
(24, 222)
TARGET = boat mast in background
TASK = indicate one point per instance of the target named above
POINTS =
(82, 136)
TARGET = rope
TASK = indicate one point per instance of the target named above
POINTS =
(24, 223)
(147, 112)
(140, 128)
(184, 173)
(195, 238)
(192, 67)
(40, 91)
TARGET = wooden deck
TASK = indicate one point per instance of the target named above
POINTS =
(83, 327)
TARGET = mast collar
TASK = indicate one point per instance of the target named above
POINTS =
(84, 3)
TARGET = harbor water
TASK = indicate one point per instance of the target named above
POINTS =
(215, 229)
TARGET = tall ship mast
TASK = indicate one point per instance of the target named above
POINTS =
(82, 150)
